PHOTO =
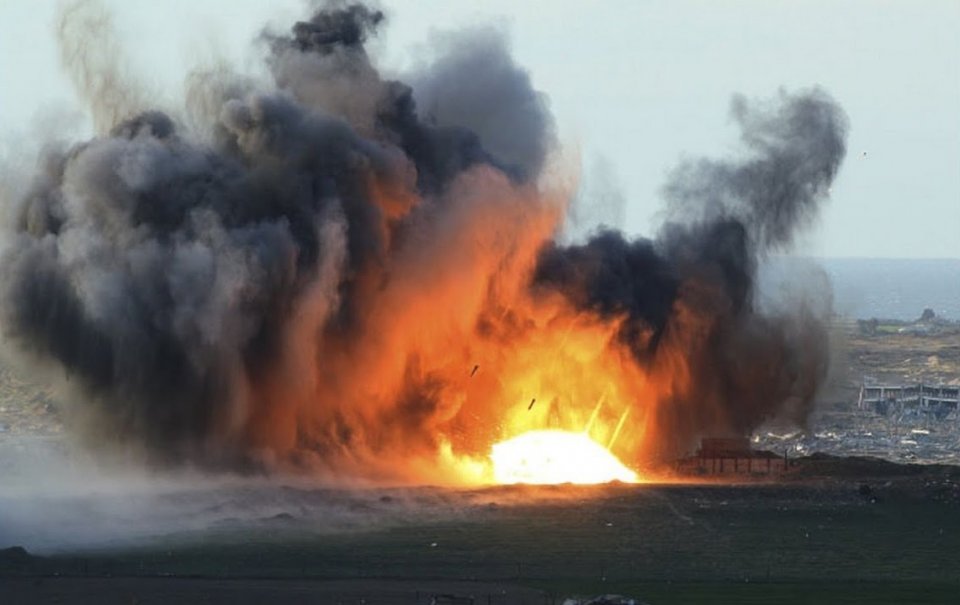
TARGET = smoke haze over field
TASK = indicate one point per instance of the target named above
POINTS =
(358, 276)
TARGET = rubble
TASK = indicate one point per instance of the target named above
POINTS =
(908, 438)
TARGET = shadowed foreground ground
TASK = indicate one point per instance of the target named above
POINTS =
(889, 536)
(144, 591)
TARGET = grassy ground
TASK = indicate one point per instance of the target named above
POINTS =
(807, 542)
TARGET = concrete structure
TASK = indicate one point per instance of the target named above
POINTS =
(937, 400)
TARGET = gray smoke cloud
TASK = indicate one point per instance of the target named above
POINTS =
(203, 275)
(475, 85)
(794, 145)
(159, 268)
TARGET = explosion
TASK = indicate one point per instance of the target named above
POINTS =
(341, 274)
(547, 457)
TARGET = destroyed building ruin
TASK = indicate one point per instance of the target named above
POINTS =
(938, 400)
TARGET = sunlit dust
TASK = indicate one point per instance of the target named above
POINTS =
(553, 456)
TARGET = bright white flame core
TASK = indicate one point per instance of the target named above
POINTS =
(547, 457)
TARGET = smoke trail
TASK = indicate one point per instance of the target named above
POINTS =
(305, 271)
(91, 55)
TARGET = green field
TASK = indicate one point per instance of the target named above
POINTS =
(803, 542)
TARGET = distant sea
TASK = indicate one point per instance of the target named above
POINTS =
(885, 288)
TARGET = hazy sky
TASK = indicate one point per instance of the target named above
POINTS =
(634, 86)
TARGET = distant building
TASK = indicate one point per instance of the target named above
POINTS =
(938, 400)
(731, 456)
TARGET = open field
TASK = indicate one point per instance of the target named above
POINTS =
(888, 536)
(894, 356)
(152, 591)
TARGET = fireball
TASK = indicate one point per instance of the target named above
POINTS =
(553, 456)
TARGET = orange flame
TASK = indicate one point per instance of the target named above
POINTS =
(459, 354)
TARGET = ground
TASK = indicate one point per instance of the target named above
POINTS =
(898, 353)
(837, 529)
(889, 535)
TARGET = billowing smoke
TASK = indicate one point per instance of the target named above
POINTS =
(340, 272)
(694, 284)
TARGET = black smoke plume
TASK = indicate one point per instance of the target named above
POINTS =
(195, 274)
(728, 215)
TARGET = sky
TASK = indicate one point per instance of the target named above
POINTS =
(634, 87)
